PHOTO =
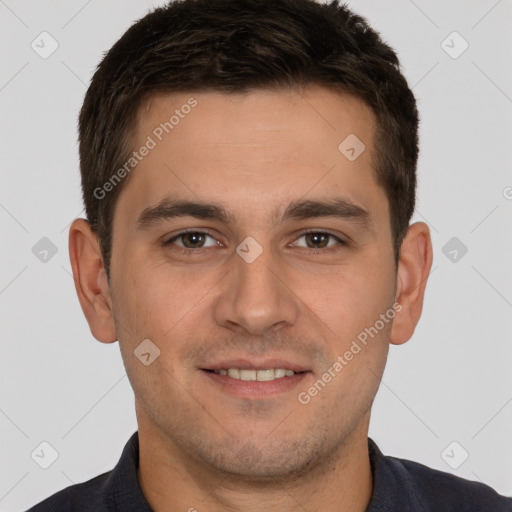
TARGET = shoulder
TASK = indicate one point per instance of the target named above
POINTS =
(86, 496)
(441, 488)
(441, 491)
(114, 490)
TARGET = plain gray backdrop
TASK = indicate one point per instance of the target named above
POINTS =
(446, 395)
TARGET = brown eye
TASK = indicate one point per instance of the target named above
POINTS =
(317, 240)
(190, 240)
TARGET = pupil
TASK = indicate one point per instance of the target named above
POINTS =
(317, 238)
(196, 236)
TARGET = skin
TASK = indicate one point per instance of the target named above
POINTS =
(201, 446)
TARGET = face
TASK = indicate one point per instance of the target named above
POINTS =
(286, 261)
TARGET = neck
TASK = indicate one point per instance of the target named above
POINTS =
(171, 480)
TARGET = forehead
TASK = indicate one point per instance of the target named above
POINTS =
(253, 150)
(258, 117)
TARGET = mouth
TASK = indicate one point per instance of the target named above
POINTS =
(249, 380)
(255, 375)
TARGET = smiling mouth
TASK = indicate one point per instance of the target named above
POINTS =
(255, 375)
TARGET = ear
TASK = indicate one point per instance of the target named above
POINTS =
(413, 271)
(91, 281)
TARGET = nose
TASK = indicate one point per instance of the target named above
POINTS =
(257, 296)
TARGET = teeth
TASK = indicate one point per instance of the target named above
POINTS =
(234, 373)
(248, 374)
(265, 375)
(256, 375)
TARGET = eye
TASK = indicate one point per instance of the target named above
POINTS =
(190, 240)
(193, 240)
(321, 239)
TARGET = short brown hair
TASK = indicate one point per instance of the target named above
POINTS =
(245, 45)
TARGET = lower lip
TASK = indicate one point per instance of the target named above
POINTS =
(254, 388)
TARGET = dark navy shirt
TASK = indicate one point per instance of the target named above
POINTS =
(398, 486)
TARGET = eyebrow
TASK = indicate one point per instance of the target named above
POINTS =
(337, 207)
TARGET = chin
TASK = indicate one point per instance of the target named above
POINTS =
(264, 461)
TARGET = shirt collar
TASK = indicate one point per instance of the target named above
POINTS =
(123, 491)
(392, 486)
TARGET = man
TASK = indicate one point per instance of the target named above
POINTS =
(248, 171)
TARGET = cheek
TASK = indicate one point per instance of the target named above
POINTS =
(163, 303)
(353, 297)
(141, 302)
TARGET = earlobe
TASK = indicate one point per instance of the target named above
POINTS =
(413, 271)
(90, 281)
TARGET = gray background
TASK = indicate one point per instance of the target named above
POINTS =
(451, 382)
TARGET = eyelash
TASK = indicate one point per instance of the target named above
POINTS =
(335, 248)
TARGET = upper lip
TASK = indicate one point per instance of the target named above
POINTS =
(255, 364)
